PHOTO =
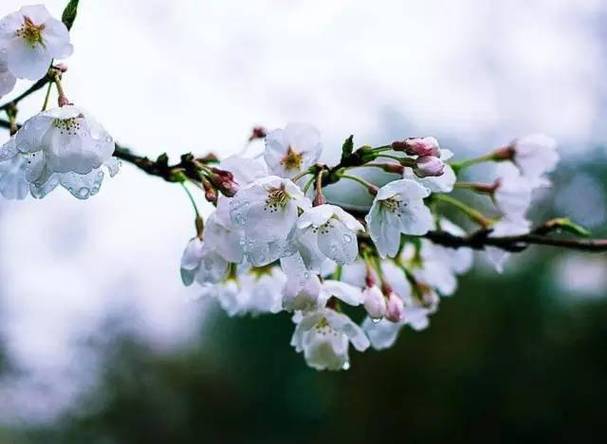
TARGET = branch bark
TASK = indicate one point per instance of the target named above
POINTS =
(481, 240)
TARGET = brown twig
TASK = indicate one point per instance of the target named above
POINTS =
(481, 240)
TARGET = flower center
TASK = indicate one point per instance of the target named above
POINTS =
(277, 199)
(70, 126)
(292, 160)
(31, 32)
(393, 204)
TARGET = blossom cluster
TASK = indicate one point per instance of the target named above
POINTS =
(276, 244)
(62, 146)
(346, 274)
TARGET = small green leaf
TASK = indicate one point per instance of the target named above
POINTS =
(69, 13)
(566, 224)
(347, 148)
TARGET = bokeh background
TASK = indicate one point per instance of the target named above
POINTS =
(101, 344)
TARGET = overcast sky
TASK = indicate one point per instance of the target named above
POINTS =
(197, 75)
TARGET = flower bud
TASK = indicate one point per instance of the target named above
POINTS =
(374, 302)
(395, 168)
(210, 193)
(224, 181)
(258, 132)
(428, 166)
(504, 153)
(395, 308)
(418, 146)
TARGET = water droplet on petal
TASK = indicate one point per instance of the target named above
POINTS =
(347, 237)
(375, 320)
(83, 192)
(346, 366)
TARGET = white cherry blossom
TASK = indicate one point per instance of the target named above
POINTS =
(324, 337)
(224, 238)
(443, 259)
(32, 39)
(267, 209)
(535, 155)
(244, 169)
(13, 184)
(202, 264)
(291, 150)
(398, 209)
(334, 231)
(304, 291)
(63, 140)
(7, 78)
(508, 226)
(21, 171)
(513, 192)
(253, 292)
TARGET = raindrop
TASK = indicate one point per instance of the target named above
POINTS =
(347, 237)
(83, 192)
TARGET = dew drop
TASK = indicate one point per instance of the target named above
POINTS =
(84, 192)
(347, 237)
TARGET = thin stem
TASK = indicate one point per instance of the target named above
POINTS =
(46, 97)
(11, 112)
(192, 201)
(308, 184)
(474, 215)
(62, 99)
(463, 164)
(300, 175)
(372, 189)
(383, 148)
(485, 188)
(390, 156)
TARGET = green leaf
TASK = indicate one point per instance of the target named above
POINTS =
(69, 13)
(566, 224)
(347, 147)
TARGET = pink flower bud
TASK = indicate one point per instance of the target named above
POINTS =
(418, 146)
(395, 309)
(374, 302)
(258, 132)
(224, 181)
(428, 166)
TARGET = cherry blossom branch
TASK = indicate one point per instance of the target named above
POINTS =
(480, 240)
(189, 166)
